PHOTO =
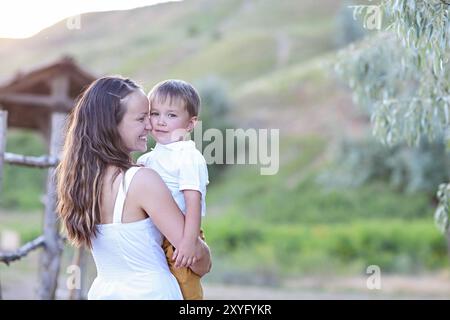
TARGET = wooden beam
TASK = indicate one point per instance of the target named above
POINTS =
(51, 257)
(3, 129)
(60, 103)
(60, 87)
(22, 251)
(29, 161)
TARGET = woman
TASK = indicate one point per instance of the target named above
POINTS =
(110, 205)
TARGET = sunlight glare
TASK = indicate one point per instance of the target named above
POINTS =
(24, 18)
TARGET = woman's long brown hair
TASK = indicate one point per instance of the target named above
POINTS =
(92, 143)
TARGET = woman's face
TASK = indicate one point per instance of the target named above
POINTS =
(135, 124)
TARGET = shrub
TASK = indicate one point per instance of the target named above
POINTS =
(393, 245)
(408, 169)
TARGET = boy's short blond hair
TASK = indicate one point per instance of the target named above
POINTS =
(180, 90)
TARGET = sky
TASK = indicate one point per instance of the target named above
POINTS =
(24, 18)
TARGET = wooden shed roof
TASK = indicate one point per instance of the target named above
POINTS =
(30, 97)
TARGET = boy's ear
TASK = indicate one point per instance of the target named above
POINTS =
(192, 122)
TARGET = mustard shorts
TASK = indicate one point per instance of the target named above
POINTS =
(189, 282)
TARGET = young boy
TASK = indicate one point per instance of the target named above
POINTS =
(174, 108)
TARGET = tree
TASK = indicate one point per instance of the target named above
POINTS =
(401, 76)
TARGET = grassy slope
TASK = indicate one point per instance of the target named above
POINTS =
(236, 39)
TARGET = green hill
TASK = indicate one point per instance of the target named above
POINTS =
(237, 40)
(268, 53)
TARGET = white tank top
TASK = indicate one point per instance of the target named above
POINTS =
(130, 261)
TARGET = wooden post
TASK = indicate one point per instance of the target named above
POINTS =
(51, 256)
(3, 129)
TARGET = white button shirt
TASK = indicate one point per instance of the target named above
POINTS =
(182, 167)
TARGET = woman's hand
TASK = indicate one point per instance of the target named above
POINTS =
(203, 264)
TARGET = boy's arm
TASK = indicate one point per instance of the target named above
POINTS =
(193, 218)
(185, 253)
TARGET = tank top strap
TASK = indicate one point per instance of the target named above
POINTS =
(122, 192)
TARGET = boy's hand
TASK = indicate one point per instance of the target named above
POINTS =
(185, 254)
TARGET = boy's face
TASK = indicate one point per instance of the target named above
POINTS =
(170, 120)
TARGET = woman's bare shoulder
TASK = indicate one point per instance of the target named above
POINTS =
(146, 179)
(149, 190)
(144, 175)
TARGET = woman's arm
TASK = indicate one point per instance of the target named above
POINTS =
(157, 201)
(203, 265)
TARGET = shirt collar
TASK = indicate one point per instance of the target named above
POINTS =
(176, 146)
